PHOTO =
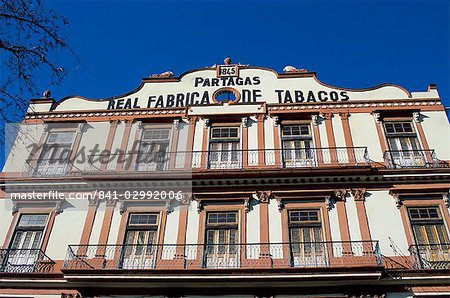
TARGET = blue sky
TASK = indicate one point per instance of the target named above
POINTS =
(352, 44)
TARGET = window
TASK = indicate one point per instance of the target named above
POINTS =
(427, 225)
(221, 238)
(55, 153)
(403, 144)
(154, 149)
(224, 146)
(305, 232)
(296, 144)
(432, 249)
(24, 249)
(139, 249)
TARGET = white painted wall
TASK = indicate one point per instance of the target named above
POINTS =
(27, 135)
(171, 231)
(115, 226)
(5, 218)
(252, 133)
(252, 227)
(192, 224)
(324, 142)
(118, 137)
(134, 128)
(198, 135)
(437, 132)
(97, 226)
(364, 134)
(339, 138)
(67, 228)
(269, 128)
(275, 230)
(183, 128)
(252, 129)
(385, 222)
(96, 133)
(334, 224)
(352, 217)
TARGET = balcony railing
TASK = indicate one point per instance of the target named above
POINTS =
(42, 168)
(230, 159)
(430, 256)
(25, 261)
(412, 159)
(223, 256)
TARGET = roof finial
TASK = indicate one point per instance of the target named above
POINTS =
(46, 94)
(292, 69)
(227, 61)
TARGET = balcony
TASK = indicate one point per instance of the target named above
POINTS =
(44, 168)
(25, 261)
(223, 256)
(230, 159)
(430, 256)
(401, 159)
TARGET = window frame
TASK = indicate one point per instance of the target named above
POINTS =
(18, 228)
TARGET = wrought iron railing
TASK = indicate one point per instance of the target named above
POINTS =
(25, 261)
(223, 256)
(230, 159)
(43, 168)
(430, 256)
(413, 159)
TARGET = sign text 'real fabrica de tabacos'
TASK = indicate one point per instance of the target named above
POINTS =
(249, 89)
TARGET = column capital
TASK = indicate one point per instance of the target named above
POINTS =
(341, 194)
(359, 194)
(327, 115)
(344, 115)
(260, 117)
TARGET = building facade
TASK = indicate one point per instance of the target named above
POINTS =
(230, 180)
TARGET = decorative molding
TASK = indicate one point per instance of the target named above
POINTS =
(176, 124)
(344, 115)
(446, 197)
(140, 125)
(263, 196)
(327, 116)
(168, 206)
(276, 121)
(398, 200)
(293, 69)
(329, 202)
(93, 201)
(341, 194)
(280, 203)
(64, 115)
(58, 205)
(164, 75)
(359, 194)
(417, 117)
(199, 206)
(317, 120)
(377, 116)
(260, 117)
(244, 121)
(122, 207)
(247, 204)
